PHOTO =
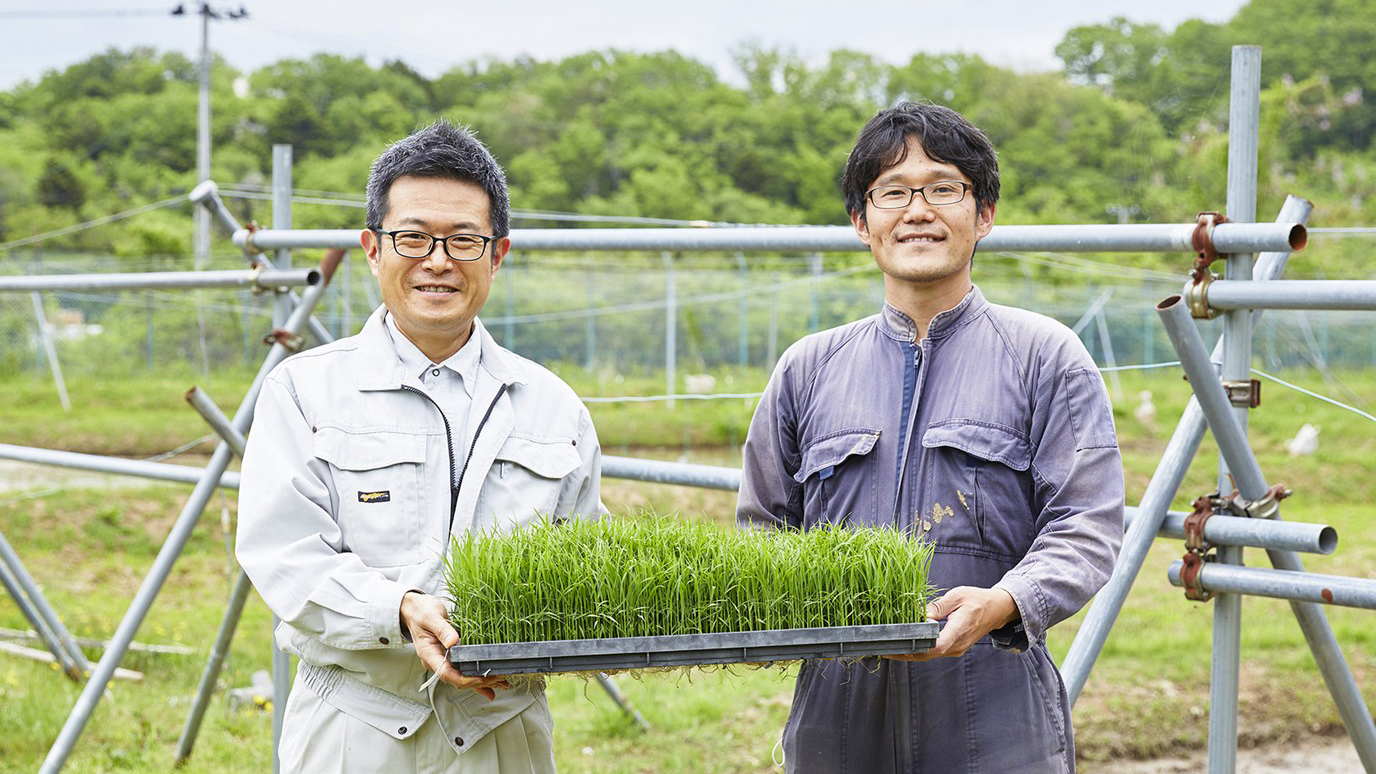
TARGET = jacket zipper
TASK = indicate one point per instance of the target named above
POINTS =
(476, 432)
(455, 486)
(448, 447)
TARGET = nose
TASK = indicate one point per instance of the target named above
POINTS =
(919, 210)
(437, 262)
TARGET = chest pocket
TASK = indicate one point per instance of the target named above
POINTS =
(977, 493)
(525, 481)
(377, 478)
(838, 484)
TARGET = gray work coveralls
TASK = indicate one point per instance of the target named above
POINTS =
(993, 439)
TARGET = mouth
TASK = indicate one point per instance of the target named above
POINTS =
(436, 289)
(920, 239)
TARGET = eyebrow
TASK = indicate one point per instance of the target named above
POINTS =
(895, 177)
(456, 227)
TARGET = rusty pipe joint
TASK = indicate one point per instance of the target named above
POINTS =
(1197, 289)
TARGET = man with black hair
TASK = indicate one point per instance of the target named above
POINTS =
(368, 454)
(982, 429)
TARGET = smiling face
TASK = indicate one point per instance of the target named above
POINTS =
(924, 248)
(434, 299)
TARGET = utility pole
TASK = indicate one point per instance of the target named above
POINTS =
(201, 238)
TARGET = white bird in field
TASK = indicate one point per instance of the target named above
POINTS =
(1306, 441)
(1146, 410)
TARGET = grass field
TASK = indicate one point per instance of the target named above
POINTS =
(1148, 695)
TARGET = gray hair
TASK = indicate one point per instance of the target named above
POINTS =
(440, 150)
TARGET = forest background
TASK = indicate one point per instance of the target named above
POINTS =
(1133, 128)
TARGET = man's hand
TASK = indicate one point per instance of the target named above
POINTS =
(427, 621)
(969, 613)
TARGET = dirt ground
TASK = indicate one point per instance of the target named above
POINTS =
(1317, 755)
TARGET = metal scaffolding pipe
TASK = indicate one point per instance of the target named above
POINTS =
(207, 194)
(221, 424)
(1135, 238)
(218, 652)
(217, 420)
(1244, 121)
(1251, 485)
(682, 474)
(171, 548)
(1282, 584)
(1354, 295)
(266, 279)
(160, 471)
(1165, 482)
(1255, 533)
(73, 664)
(1213, 399)
(67, 652)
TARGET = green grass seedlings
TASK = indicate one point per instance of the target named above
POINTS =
(656, 576)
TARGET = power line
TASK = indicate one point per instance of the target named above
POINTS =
(92, 223)
(80, 14)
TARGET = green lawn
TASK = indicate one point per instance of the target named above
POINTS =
(90, 549)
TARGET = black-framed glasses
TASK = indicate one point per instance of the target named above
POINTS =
(896, 197)
(418, 244)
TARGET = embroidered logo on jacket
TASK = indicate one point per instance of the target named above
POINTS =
(375, 497)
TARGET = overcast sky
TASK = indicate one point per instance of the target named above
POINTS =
(41, 35)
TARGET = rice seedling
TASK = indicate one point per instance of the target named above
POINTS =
(656, 576)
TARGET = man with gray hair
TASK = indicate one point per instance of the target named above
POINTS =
(369, 454)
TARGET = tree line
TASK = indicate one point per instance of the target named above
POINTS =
(1134, 128)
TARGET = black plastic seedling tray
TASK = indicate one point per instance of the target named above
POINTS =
(681, 650)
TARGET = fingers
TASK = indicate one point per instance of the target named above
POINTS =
(427, 620)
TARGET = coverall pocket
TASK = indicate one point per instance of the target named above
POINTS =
(977, 488)
(526, 480)
(377, 478)
(838, 485)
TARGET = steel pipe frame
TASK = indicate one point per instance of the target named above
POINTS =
(229, 624)
(213, 416)
(172, 548)
(1253, 533)
(207, 195)
(264, 279)
(27, 596)
(218, 653)
(1343, 295)
(160, 471)
(655, 471)
(1251, 485)
(1244, 122)
(1165, 482)
(1092, 238)
(1305, 587)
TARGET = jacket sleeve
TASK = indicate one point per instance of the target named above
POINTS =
(769, 496)
(1078, 474)
(289, 543)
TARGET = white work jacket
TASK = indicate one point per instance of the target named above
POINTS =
(346, 504)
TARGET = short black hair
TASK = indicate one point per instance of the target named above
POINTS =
(945, 136)
(440, 150)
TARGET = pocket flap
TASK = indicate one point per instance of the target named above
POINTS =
(367, 450)
(545, 457)
(831, 450)
(982, 439)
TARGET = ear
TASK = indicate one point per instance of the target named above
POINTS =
(369, 240)
(862, 229)
(500, 247)
(984, 221)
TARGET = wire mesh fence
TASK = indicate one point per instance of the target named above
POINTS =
(684, 316)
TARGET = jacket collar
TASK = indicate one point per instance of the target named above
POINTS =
(382, 368)
(900, 327)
